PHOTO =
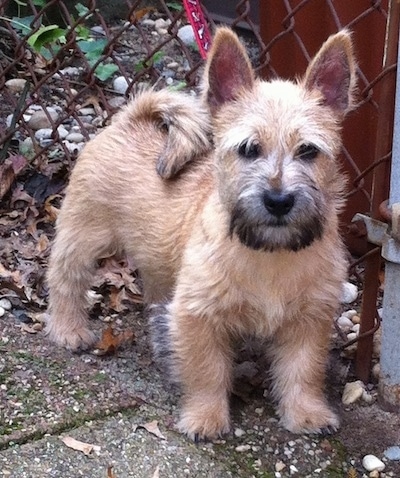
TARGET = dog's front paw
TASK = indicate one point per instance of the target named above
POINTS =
(314, 417)
(204, 421)
(75, 339)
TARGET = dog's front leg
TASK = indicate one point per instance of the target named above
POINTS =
(203, 365)
(299, 352)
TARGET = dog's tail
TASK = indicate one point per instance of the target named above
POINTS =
(185, 122)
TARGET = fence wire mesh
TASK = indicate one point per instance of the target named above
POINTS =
(65, 68)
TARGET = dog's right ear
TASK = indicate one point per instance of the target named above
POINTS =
(228, 69)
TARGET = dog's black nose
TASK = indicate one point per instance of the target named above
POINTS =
(278, 203)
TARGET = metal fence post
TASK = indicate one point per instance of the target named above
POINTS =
(389, 385)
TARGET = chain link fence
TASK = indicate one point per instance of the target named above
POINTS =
(66, 67)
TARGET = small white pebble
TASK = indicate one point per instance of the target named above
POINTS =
(2, 311)
(350, 313)
(344, 323)
(239, 432)
(374, 474)
(351, 336)
(352, 392)
(242, 448)
(367, 397)
(120, 84)
(279, 466)
(293, 469)
(356, 328)
(349, 293)
(371, 463)
(5, 304)
(376, 370)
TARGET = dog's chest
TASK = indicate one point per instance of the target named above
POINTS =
(265, 291)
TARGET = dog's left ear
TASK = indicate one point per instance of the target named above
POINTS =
(332, 72)
(228, 69)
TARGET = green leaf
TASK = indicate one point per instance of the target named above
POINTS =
(93, 49)
(50, 54)
(81, 9)
(175, 6)
(82, 32)
(45, 36)
(104, 71)
(141, 65)
(23, 24)
(39, 3)
(181, 85)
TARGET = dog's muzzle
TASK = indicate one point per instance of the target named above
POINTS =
(277, 220)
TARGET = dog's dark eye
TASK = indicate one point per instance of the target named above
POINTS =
(164, 126)
(307, 152)
(250, 150)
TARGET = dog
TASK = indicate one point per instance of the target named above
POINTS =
(228, 205)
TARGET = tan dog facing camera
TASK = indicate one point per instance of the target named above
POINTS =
(235, 238)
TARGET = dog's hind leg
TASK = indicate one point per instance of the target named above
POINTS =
(73, 261)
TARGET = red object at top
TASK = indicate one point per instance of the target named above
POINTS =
(196, 18)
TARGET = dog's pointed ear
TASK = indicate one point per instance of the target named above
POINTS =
(332, 72)
(228, 69)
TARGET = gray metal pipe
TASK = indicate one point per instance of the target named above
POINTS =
(389, 384)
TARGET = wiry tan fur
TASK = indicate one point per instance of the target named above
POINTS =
(198, 229)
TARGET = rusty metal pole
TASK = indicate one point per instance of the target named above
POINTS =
(381, 172)
(389, 384)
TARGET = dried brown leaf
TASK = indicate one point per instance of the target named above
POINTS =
(31, 329)
(77, 445)
(42, 243)
(352, 473)
(151, 427)
(51, 210)
(138, 14)
(9, 170)
(95, 102)
(117, 297)
(110, 473)
(110, 341)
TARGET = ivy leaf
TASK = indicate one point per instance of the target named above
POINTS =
(23, 24)
(46, 35)
(104, 71)
(93, 49)
(82, 32)
(175, 6)
(81, 9)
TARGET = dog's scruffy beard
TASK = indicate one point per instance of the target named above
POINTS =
(259, 230)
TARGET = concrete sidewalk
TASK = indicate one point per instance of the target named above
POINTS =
(47, 393)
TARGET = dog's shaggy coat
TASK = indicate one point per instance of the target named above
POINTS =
(238, 237)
